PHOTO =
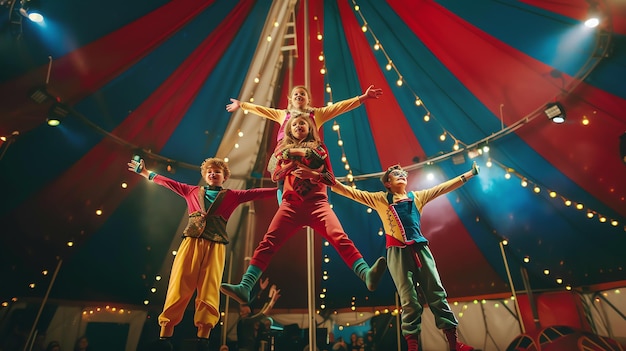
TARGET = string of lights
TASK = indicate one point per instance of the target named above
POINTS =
(458, 146)
(525, 182)
(474, 149)
(537, 188)
(427, 116)
(401, 82)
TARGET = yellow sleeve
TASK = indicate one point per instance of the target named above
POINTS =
(325, 114)
(422, 197)
(273, 114)
(363, 197)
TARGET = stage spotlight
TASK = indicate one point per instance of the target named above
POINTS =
(593, 18)
(40, 95)
(29, 9)
(555, 112)
(56, 114)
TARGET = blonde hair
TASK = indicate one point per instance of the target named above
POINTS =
(312, 140)
(308, 94)
(214, 163)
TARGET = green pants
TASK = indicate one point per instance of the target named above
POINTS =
(405, 272)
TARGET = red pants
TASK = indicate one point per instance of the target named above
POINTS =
(291, 217)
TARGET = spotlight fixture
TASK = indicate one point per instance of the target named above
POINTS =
(593, 18)
(592, 22)
(555, 112)
(56, 114)
(40, 95)
(28, 9)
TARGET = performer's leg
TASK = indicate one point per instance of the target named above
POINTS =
(370, 275)
(181, 286)
(325, 221)
(283, 226)
(434, 292)
(436, 297)
(208, 298)
(402, 267)
(411, 342)
(241, 292)
(455, 344)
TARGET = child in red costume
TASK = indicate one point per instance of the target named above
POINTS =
(304, 166)
(199, 262)
(300, 104)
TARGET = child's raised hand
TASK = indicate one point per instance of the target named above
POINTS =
(233, 106)
(475, 168)
(373, 93)
(136, 165)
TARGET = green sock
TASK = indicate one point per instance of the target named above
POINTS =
(253, 273)
(360, 268)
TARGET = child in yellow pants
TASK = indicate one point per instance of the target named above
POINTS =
(199, 262)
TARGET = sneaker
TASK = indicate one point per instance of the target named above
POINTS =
(163, 344)
(411, 342)
(237, 292)
(202, 345)
(462, 347)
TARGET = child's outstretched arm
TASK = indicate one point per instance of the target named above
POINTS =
(326, 113)
(273, 114)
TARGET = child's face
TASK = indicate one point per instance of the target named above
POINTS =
(300, 128)
(396, 178)
(299, 98)
(214, 176)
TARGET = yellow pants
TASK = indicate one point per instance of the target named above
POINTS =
(198, 265)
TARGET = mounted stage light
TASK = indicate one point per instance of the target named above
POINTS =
(40, 95)
(29, 9)
(593, 18)
(555, 112)
(56, 114)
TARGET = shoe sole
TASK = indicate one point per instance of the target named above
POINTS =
(233, 296)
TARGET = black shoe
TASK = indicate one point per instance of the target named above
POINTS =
(162, 344)
(202, 345)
